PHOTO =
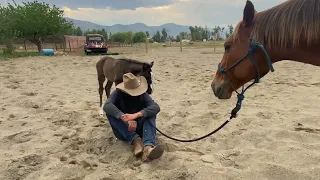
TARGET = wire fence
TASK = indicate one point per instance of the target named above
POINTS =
(67, 43)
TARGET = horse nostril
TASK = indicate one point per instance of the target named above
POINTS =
(212, 86)
(216, 89)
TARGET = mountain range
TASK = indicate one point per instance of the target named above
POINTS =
(173, 29)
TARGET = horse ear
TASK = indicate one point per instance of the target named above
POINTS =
(145, 66)
(248, 14)
(151, 64)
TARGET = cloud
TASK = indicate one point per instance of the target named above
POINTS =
(103, 4)
(157, 12)
(187, 12)
(149, 16)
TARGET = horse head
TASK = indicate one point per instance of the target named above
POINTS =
(147, 73)
(237, 67)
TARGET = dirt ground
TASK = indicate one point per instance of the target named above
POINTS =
(50, 128)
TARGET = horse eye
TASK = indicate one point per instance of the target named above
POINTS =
(227, 47)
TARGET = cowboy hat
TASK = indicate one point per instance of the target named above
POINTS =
(133, 85)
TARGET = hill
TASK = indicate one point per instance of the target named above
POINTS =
(173, 29)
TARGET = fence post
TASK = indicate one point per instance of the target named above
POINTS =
(25, 46)
(69, 45)
(180, 45)
(215, 41)
(146, 44)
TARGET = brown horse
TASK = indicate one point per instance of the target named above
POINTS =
(114, 69)
(288, 31)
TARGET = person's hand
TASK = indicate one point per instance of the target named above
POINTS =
(131, 117)
(132, 125)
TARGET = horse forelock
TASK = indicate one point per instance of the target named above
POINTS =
(235, 36)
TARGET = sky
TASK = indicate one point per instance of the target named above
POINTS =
(156, 12)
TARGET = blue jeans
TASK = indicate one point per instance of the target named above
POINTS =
(144, 130)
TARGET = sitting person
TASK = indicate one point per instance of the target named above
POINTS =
(131, 113)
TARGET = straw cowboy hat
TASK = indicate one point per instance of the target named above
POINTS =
(133, 85)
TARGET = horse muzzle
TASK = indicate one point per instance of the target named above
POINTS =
(221, 89)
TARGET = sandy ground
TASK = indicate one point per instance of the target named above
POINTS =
(50, 128)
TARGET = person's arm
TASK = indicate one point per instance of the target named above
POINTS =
(110, 108)
(151, 109)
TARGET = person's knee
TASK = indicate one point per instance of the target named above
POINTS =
(111, 118)
(104, 107)
(151, 120)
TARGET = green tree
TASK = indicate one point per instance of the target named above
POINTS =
(198, 33)
(206, 33)
(122, 37)
(192, 31)
(228, 34)
(178, 38)
(104, 33)
(37, 21)
(78, 32)
(110, 34)
(118, 37)
(184, 35)
(129, 37)
(138, 37)
(7, 34)
(164, 33)
(217, 30)
(86, 32)
(148, 34)
(157, 37)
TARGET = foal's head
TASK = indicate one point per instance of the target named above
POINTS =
(147, 73)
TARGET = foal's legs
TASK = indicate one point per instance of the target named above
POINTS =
(101, 80)
(108, 88)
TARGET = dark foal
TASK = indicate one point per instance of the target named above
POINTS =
(113, 69)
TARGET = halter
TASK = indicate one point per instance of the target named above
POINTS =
(252, 48)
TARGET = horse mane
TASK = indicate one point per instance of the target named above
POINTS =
(287, 25)
(132, 61)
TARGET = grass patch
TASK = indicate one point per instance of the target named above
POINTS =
(4, 57)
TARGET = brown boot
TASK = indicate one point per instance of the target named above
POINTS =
(137, 146)
(150, 153)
